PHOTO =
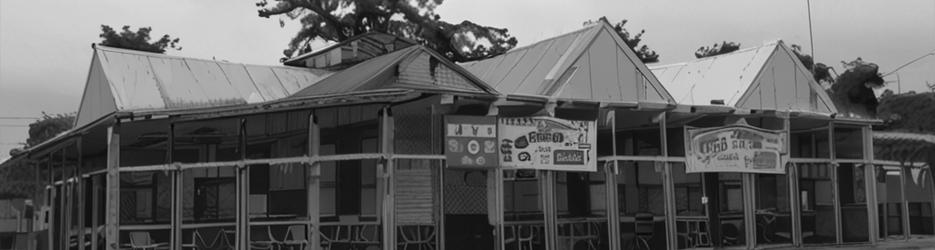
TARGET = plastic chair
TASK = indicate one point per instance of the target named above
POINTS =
(196, 238)
(295, 236)
(262, 239)
(142, 241)
(644, 228)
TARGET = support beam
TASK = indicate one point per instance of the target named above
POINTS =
(313, 180)
(175, 241)
(112, 215)
(80, 196)
(389, 194)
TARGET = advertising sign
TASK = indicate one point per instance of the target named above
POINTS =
(471, 141)
(547, 143)
(735, 148)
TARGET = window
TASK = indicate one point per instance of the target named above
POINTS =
(145, 197)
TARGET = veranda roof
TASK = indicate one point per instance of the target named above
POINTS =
(768, 77)
(590, 64)
(127, 80)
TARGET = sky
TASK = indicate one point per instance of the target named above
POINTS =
(45, 46)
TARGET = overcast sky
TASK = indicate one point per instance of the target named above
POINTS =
(45, 45)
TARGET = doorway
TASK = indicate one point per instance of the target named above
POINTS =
(468, 224)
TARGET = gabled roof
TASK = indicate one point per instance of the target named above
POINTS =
(127, 80)
(412, 68)
(591, 64)
(355, 49)
(767, 77)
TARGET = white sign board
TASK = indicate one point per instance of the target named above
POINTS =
(547, 143)
(735, 148)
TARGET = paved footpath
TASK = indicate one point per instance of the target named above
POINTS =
(928, 243)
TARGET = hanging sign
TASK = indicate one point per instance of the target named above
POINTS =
(547, 143)
(735, 148)
(471, 141)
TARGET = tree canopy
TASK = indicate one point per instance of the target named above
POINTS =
(137, 40)
(852, 91)
(45, 128)
(339, 20)
(821, 73)
(717, 49)
(633, 40)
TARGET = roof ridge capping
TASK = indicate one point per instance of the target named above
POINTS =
(105, 48)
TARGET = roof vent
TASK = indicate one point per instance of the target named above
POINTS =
(351, 51)
(717, 102)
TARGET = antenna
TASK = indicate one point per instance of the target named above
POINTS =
(811, 39)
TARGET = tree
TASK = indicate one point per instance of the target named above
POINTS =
(852, 91)
(717, 49)
(339, 20)
(138, 40)
(821, 72)
(633, 40)
(45, 128)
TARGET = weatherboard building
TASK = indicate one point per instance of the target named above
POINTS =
(378, 143)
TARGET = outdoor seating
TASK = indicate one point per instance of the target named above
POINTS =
(198, 242)
(295, 237)
(141, 240)
(261, 237)
(420, 237)
(643, 227)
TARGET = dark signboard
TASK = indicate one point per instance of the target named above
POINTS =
(471, 141)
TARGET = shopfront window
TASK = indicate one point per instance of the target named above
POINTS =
(848, 142)
(638, 133)
(773, 212)
(853, 198)
(582, 210)
(691, 217)
(816, 195)
(641, 203)
(889, 202)
(729, 201)
(810, 143)
(209, 194)
(524, 219)
(919, 196)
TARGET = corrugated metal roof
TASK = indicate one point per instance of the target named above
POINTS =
(768, 77)
(126, 80)
(352, 50)
(592, 64)
(415, 67)
(723, 77)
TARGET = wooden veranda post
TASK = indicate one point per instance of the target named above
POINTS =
(314, 173)
(112, 215)
(389, 201)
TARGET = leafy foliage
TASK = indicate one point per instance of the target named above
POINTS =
(47, 127)
(18, 180)
(852, 91)
(908, 112)
(821, 72)
(138, 40)
(339, 20)
(717, 49)
(633, 40)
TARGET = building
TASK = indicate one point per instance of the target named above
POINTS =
(363, 146)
